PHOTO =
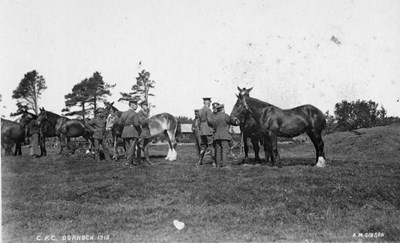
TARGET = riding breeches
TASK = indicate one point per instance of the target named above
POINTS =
(102, 142)
(221, 151)
(131, 144)
(143, 143)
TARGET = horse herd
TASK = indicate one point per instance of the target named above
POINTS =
(258, 120)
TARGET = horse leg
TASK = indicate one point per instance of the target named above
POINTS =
(171, 143)
(246, 150)
(267, 148)
(274, 148)
(319, 147)
(256, 149)
(42, 145)
(174, 144)
(62, 143)
(19, 149)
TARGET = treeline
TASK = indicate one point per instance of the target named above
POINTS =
(357, 114)
(84, 97)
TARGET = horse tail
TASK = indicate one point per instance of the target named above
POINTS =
(178, 128)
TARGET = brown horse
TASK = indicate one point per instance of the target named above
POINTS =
(163, 123)
(12, 133)
(275, 122)
(63, 127)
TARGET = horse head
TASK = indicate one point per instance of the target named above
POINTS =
(42, 117)
(244, 91)
(241, 110)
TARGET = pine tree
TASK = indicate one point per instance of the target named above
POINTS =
(86, 94)
(29, 91)
(141, 89)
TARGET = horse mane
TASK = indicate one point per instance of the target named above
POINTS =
(258, 103)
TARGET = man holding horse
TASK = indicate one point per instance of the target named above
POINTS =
(130, 121)
(98, 125)
(206, 131)
(221, 122)
(144, 138)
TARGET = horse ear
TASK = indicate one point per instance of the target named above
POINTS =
(112, 103)
(248, 91)
(240, 90)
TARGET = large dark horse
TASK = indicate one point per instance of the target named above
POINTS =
(163, 123)
(12, 133)
(275, 122)
(62, 127)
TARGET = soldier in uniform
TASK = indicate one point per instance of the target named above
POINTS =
(214, 107)
(98, 126)
(144, 138)
(196, 129)
(130, 121)
(206, 131)
(221, 122)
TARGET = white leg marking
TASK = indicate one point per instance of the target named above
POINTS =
(173, 155)
(321, 162)
(169, 154)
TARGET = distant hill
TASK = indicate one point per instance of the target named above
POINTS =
(375, 143)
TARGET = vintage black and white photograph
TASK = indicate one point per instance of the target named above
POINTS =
(200, 121)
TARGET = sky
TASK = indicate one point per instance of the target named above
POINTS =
(194, 49)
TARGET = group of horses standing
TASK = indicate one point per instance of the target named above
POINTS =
(53, 125)
(262, 122)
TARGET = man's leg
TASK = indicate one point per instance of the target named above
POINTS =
(105, 149)
(97, 150)
(131, 152)
(35, 144)
(127, 142)
(31, 151)
(204, 145)
(218, 153)
(225, 149)
(139, 148)
(146, 144)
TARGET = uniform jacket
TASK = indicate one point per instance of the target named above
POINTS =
(221, 123)
(98, 125)
(204, 114)
(144, 122)
(130, 120)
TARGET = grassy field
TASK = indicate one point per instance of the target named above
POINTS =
(358, 192)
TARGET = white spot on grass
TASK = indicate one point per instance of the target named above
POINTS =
(179, 225)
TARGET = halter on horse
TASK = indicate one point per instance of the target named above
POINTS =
(284, 123)
(163, 123)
